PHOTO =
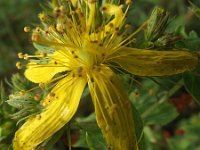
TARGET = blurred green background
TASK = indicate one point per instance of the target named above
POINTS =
(14, 15)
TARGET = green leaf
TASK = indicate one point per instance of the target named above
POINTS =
(138, 128)
(190, 41)
(95, 140)
(195, 9)
(192, 84)
(163, 114)
(90, 133)
(2, 94)
(153, 105)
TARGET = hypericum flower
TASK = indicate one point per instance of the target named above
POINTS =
(83, 43)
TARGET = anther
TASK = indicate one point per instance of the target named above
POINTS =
(22, 93)
(27, 29)
(47, 32)
(136, 93)
(41, 85)
(38, 29)
(37, 97)
(35, 37)
(62, 9)
(103, 8)
(103, 54)
(56, 10)
(79, 69)
(51, 95)
(19, 65)
(26, 56)
(117, 29)
(42, 17)
(129, 2)
(20, 55)
(72, 13)
(92, 1)
(127, 26)
(39, 117)
(59, 28)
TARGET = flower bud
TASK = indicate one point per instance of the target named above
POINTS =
(156, 24)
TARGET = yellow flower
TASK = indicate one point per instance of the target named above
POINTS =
(81, 43)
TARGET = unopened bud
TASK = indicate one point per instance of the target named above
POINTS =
(156, 24)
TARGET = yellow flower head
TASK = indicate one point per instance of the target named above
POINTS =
(82, 42)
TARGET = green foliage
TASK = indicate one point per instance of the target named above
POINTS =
(192, 84)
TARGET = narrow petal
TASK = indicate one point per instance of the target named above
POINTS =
(113, 111)
(155, 63)
(45, 72)
(65, 99)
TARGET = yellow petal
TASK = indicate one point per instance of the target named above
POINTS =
(115, 10)
(65, 100)
(45, 72)
(113, 111)
(155, 63)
